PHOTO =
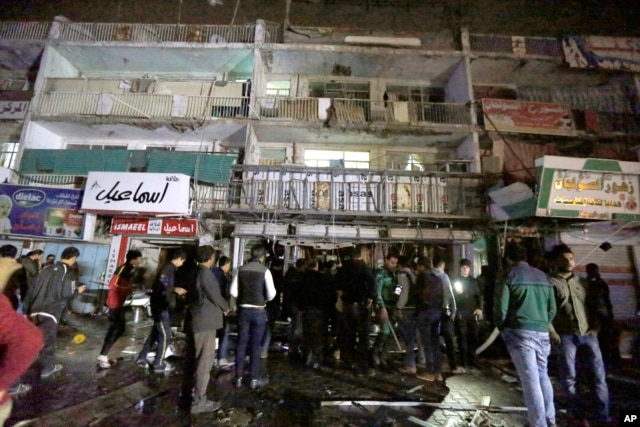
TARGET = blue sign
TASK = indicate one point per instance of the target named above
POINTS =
(41, 211)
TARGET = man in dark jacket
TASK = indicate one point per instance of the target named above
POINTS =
(119, 289)
(469, 304)
(252, 287)
(48, 299)
(207, 308)
(163, 302)
(357, 288)
(221, 272)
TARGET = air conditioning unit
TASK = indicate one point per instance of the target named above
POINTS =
(323, 105)
(401, 111)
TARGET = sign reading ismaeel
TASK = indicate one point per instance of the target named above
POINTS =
(130, 193)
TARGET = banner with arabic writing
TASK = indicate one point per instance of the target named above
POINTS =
(155, 226)
(509, 115)
(41, 211)
(610, 53)
(588, 188)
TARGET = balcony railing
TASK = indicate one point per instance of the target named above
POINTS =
(138, 105)
(492, 43)
(360, 111)
(24, 30)
(296, 189)
(157, 33)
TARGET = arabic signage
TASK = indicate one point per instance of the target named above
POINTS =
(157, 226)
(509, 115)
(136, 193)
(13, 110)
(40, 211)
(611, 53)
(588, 188)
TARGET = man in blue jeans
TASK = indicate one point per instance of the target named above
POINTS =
(525, 307)
(252, 287)
(577, 326)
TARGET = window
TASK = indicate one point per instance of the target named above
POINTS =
(8, 154)
(279, 88)
(415, 94)
(330, 158)
(339, 90)
(270, 157)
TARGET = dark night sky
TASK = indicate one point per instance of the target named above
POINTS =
(512, 17)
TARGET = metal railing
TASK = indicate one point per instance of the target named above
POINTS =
(157, 33)
(493, 43)
(24, 30)
(138, 105)
(352, 191)
(360, 110)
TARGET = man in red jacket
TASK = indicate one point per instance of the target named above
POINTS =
(20, 339)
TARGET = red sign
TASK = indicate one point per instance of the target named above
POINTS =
(155, 226)
(509, 115)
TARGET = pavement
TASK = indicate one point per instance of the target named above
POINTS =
(126, 395)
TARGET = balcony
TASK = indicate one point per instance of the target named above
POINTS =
(362, 111)
(355, 194)
(138, 105)
(493, 43)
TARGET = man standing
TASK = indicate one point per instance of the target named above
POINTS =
(221, 272)
(387, 294)
(252, 286)
(609, 334)
(47, 300)
(120, 288)
(576, 325)
(357, 289)
(449, 310)
(207, 309)
(525, 306)
(469, 311)
(31, 263)
(163, 302)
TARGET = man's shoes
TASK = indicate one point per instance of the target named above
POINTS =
(258, 383)
(237, 381)
(164, 368)
(459, 370)
(46, 373)
(19, 389)
(142, 363)
(103, 362)
(427, 377)
(438, 377)
(205, 406)
(223, 362)
(408, 370)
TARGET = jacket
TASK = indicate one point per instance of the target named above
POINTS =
(49, 296)
(208, 305)
(577, 307)
(163, 296)
(120, 286)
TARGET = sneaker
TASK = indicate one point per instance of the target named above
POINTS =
(427, 377)
(50, 371)
(19, 388)
(165, 368)
(103, 362)
(223, 362)
(142, 363)
(258, 383)
(237, 381)
(205, 406)
(408, 370)
(459, 370)
(439, 377)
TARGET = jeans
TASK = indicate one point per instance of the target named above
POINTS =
(428, 324)
(116, 329)
(529, 351)
(354, 335)
(466, 337)
(49, 328)
(160, 334)
(251, 325)
(223, 342)
(569, 346)
(315, 335)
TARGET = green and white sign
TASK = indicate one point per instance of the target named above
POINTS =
(588, 188)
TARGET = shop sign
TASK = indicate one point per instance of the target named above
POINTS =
(136, 193)
(509, 115)
(609, 53)
(155, 226)
(588, 188)
(13, 110)
(40, 211)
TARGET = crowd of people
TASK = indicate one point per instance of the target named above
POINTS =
(413, 304)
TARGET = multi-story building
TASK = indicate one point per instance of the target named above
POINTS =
(318, 138)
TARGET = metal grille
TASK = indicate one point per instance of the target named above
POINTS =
(24, 30)
(543, 46)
